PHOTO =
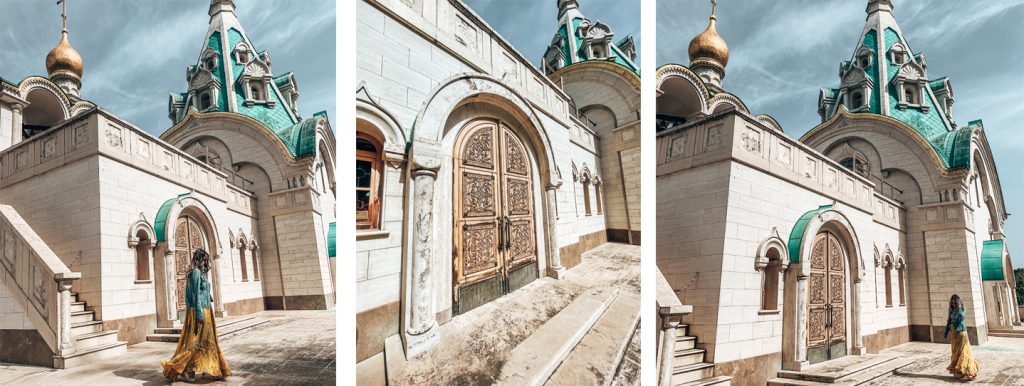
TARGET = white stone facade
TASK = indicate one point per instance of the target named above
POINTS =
(427, 70)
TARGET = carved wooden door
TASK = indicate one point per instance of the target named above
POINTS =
(495, 232)
(826, 321)
(188, 237)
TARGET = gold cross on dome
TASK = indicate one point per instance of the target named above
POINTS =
(64, 12)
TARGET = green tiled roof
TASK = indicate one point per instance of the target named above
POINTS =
(830, 93)
(937, 84)
(214, 44)
(992, 260)
(300, 138)
(870, 42)
(282, 80)
(160, 226)
(796, 237)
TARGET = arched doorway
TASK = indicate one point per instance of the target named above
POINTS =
(494, 244)
(189, 237)
(827, 334)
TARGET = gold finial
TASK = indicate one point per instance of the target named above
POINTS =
(64, 59)
(709, 45)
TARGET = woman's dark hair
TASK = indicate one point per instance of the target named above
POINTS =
(201, 260)
(954, 301)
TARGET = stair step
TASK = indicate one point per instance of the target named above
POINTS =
(688, 356)
(223, 331)
(594, 360)
(83, 316)
(856, 374)
(686, 342)
(93, 339)
(1006, 333)
(682, 330)
(721, 380)
(221, 323)
(93, 354)
(692, 372)
(77, 306)
(534, 360)
(86, 327)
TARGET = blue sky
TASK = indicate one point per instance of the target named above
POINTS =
(135, 52)
(782, 52)
(530, 24)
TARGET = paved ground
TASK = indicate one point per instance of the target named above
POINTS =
(1001, 360)
(294, 348)
(474, 346)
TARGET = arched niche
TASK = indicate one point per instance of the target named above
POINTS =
(46, 108)
(682, 96)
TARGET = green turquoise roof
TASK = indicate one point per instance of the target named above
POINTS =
(160, 226)
(300, 138)
(332, 247)
(951, 145)
(282, 80)
(616, 55)
(796, 237)
(992, 260)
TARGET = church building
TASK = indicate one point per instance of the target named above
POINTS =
(99, 218)
(776, 253)
(479, 170)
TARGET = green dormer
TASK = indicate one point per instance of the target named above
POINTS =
(579, 39)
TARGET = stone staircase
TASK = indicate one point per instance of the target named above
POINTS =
(850, 370)
(225, 327)
(92, 342)
(689, 367)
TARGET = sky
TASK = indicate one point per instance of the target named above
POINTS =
(135, 52)
(535, 21)
(782, 52)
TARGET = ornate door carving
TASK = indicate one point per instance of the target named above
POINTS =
(188, 237)
(826, 316)
(495, 233)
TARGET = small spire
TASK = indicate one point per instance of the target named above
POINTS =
(566, 5)
(218, 6)
(714, 4)
(879, 5)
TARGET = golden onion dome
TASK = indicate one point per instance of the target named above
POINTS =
(64, 58)
(709, 45)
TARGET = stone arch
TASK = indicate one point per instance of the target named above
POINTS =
(681, 94)
(725, 101)
(218, 148)
(142, 239)
(983, 168)
(47, 104)
(371, 115)
(466, 88)
(164, 228)
(811, 224)
(618, 90)
(774, 240)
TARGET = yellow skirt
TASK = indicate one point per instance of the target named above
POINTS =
(200, 352)
(962, 363)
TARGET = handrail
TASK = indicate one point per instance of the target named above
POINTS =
(670, 314)
(38, 280)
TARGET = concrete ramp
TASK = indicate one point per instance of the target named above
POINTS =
(534, 360)
(594, 360)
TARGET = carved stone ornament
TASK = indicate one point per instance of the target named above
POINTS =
(752, 141)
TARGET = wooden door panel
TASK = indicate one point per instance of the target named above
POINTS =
(479, 197)
(479, 251)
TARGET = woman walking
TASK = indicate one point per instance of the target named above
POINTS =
(198, 349)
(961, 364)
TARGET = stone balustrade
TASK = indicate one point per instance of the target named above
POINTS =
(38, 280)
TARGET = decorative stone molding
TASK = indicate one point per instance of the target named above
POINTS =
(774, 240)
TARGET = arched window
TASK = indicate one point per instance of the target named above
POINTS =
(770, 281)
(865, 61)
(243, 56)
(888, 281)
(368, 176)
(597, 196)
(900, 272)
(143, 248)
(858, 99)
(257, 94)
(255, 263)
(909, 95)
(242, 245)
(211, 63)
(586, 194)
(204, 101)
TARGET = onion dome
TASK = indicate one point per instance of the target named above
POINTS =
(709, 46)
(64, 59)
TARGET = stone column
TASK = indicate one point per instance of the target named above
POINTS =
(170, 298)
(855, 324)
(555, 268)
(421, 331)
(65, 342)
(219, 305)
(16, 125)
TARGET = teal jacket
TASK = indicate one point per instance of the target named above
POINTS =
(956, 320)
(197, 292)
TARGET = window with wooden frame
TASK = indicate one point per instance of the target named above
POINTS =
(586, 194)
(597, 195)
(770, 284)
(368, 180)
(900, 272)
(888, 281)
